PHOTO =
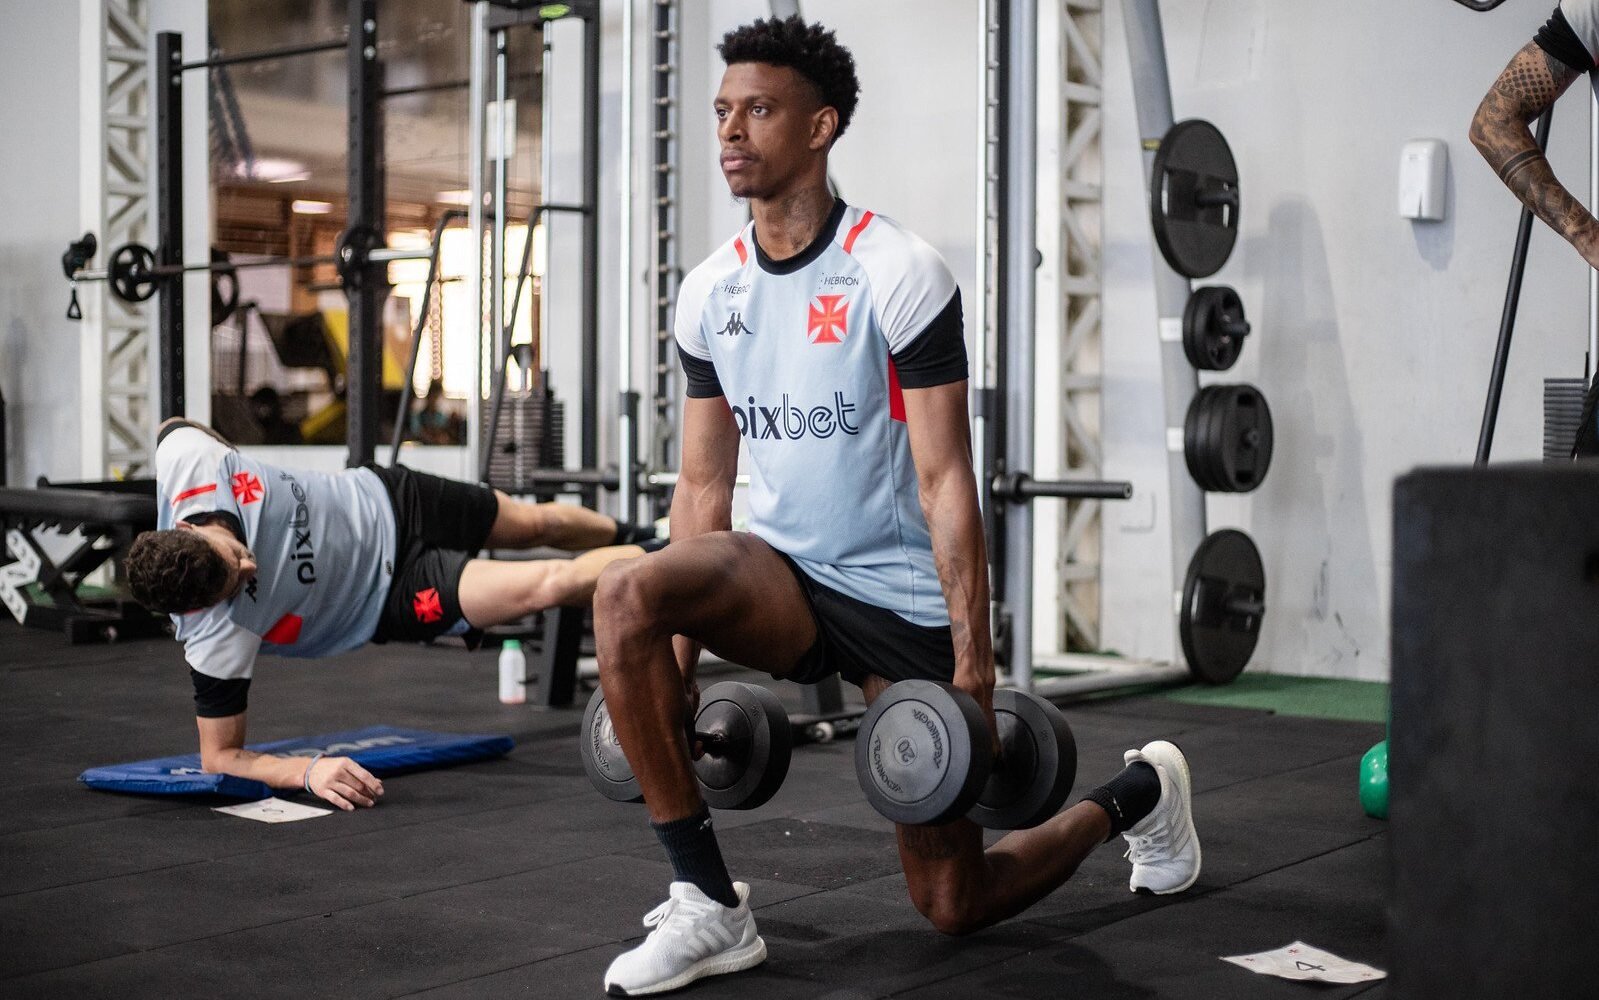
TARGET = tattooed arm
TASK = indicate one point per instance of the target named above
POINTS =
(1529, 84)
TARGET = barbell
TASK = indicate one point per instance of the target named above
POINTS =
(135, 272)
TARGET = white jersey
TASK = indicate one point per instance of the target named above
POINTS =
(812, 354)
(324, 545)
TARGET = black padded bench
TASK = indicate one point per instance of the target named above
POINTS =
(45, 593)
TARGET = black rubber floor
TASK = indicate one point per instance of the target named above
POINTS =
(513, 878)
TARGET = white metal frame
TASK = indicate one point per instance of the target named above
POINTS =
(1079, 314)
(115, 199)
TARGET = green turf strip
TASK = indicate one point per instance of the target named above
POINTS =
(1315, 697)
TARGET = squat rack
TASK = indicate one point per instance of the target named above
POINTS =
(361, 256)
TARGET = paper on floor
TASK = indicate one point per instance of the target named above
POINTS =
(273, 810)
(1300, 961)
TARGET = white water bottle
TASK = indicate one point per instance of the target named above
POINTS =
(513, 673)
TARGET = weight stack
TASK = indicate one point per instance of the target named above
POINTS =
(531, 435)
(1494, 807)
(1562, 414)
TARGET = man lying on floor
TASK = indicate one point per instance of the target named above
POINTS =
(252, 558)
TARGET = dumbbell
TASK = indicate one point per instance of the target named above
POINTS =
(924, 757)
(745, 733)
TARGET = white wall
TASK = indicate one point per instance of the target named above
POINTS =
(39, 203)
(1373, 335)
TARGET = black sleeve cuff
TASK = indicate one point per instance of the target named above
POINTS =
(701, 375)
(1558, 39)
(218, 699)
(937, 355)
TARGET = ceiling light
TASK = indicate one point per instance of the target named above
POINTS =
(275, 170)
(302, 206)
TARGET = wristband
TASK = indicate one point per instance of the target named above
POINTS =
(307, 780)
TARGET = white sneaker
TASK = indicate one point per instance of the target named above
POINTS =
(693, 936)
(1163, 846)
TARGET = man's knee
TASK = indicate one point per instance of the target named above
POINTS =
(626, 596)
(949, 912)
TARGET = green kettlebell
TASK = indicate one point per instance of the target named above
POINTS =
(1374, 781)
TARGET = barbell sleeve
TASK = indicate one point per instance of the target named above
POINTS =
(1018, 487)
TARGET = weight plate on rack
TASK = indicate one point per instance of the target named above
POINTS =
(1224, 598)
(1193, 198)
(1214, 328)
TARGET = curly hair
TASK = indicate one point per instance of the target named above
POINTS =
(172, 572)
(808, 49)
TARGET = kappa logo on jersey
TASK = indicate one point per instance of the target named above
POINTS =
(735, 326)
(829, 313)
(247, 488)
(427, 606)
(788, 422)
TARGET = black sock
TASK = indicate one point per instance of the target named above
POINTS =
(632, 534)
(652, 544)
(1128, 797)
(691, 847)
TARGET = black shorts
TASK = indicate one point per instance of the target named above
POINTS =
(439, 524)
(855, 639)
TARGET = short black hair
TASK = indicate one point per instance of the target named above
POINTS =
(808, 49)
(174, 572)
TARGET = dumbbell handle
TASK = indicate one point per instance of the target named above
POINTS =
(1214, 198)
(716, 744)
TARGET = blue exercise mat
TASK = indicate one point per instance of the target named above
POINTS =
(380, 749)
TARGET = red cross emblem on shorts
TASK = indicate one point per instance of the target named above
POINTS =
(829, 312)
(247, 488)
(427, 606)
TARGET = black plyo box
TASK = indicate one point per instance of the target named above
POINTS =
(1494, 751)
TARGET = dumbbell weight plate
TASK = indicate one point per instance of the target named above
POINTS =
(760, 743)
(603, 760)
(1036, 767)
(915, 754)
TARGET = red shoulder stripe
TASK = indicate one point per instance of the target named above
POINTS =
(198, 490)
(743, 254)
(855, 230)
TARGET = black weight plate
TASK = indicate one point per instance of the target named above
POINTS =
(915, 754)
(1207, 346)
(129, 272)
(1036, 768)
(1199, 439)
(1191, 436)
(603, 760)
(749, 769)
(1216, 439)
(1218, 632)
(1245, 435)
(1210, 440)
(1193, 162)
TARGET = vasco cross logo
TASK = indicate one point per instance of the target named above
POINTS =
(427, 605)
(829, 313)
(735, 326)
(247, 488)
